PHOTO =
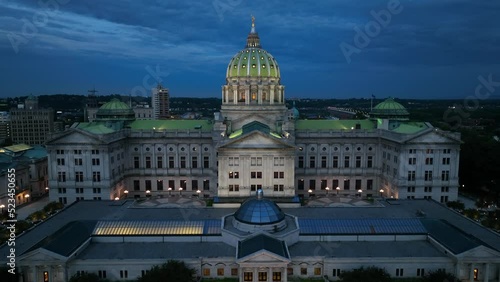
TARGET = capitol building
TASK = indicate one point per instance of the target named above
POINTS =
(374, 193)
(254, 142)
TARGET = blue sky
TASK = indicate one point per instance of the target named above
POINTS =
(428, 48)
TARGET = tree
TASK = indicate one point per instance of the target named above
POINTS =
(372, 274)
(440, 276)
(457, 205)
(171, 271)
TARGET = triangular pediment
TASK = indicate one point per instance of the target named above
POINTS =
(75, 136)
(434, 137)
(41, 255)
(256, 140)
(263, 256)
(480, 252)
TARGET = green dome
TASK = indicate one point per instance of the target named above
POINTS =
(390, 109)
(115, 110)
(254, 62)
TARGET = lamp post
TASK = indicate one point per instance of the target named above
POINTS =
(148, 193)
(180, 191)
(27, 196)
(310, 192)
(327, 189)
(338, 189)
(198, 192)
(169, 191)
(360, 193)
(2, 206)
(117, 199)
(126, 193)
(381, 193)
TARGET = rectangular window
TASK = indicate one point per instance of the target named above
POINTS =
(335, 161)
(136, 162)
(256, 161)
(194, 162)
(347, 184)
(428, 175)
(369, 162)
(301, 162)
(399, 272)
(79, 176)
(279, 161)
(148, 185)
(148, 162)
(430, 151)
(323, 184)
(395, 159)
(206, 161)
(335, 184)
(123, 273)
(445, 175)
(411, 175)
(220, 271)
(60, 161)
(102, 273)
(317, 271)
(300, 184)
(77, 152)
(428, 189)
(262, 276)
(279, 188)
(346, 161)
(159, 162)
(183, 184)
(206, 272)
(336, 272)
(171, 184)
(446, 151)
(312, 161)
(412, 151)
(323, 161)
(79, 190)
(289, 271)
(194, 184)
(159, 185)
(358, 161)
(412, 161)
(171, 162)
(63, 200)
(235, 175)
(96, 162)
(137, 185)
(279, 174)
(96, 190)
(96, 176)
(369, 184)
(255, 174)
(60, 152)
(234, 188)
(358, 184)
(234, 272)
(445, 189)
(183, 162)
(78, 162)
(61, 176)
(95, 152)
(429, 161)
(312, 184)
(411, 189)
(303, 271)
(247, 276)
(206, 185)
(61, 190)
(446, 161)
(420, 272)
(276, 276)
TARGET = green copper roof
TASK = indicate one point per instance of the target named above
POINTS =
(389, 107)
(333, 124)
(95, 127)
(255, 62)
(410, 128)
(203, 125)
(114, 104)
(115, 110)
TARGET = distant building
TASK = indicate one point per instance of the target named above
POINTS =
(143, 112)
(31, 124)
(30, 170)
(4, 126)
(160, 100)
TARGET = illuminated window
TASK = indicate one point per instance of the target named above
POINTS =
(206, 271)
(220, 271)
(276, 276)
(262, 276)
(317, 271)
(45, 276)
(234, 272)
(247, 276)
(476, 274)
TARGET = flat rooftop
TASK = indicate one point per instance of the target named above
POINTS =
(124, 210)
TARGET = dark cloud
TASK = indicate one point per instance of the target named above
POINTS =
(113, 41)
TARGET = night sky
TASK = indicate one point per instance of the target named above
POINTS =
(427, 49)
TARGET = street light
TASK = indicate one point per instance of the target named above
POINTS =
(338, 189)
(148, 193)
(327, 189)
(116, 198)
(310, 192)
(2, 206)
(126, 193)
(198, 192)
(180, 191)
(381, 192)
(360, 191)
(169, 191)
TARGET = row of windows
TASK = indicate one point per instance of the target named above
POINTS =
(335, 162)
(148, 185)
(78, 152)
(429, 151)
(96, 176)
(428, 189)
(445, 175)
(171, 162)
(335, 149)
(428, 161)
(335, 184)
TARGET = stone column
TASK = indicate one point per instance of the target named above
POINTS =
(486, 272)
(270, 274)
(259, 94)
(457, 270)
(271, 94)
(235, 95)
(284, 274)
(247, 96)
(255, 274)
(34, 273)
(471, 273)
